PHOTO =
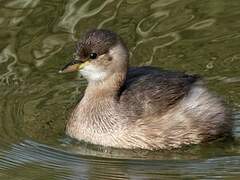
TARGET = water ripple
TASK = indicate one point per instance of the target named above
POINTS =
(111, 17)
(23, 4)
(155, 18)
(7, 55)
(37, 39)
(28, 152)
(74, 14)
(202, 24)
(163, 3)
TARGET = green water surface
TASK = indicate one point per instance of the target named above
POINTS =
(37, 38)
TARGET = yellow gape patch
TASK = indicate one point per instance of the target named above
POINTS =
(81, 66)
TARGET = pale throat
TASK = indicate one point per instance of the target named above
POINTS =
(109, 88)
(103, 81)
(93, 73)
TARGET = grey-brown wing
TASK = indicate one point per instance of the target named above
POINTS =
(149, 90)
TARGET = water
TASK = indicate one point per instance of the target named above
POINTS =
(37, 38)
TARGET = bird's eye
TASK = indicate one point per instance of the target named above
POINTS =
(93, 56)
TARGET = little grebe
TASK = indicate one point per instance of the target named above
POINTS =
(140, 107)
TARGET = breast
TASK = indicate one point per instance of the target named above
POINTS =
(95, 121)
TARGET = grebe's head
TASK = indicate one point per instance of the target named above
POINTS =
(99, 55)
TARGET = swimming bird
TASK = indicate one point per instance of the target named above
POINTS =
(139, 107)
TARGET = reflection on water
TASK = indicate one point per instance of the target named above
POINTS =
(37, 38)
